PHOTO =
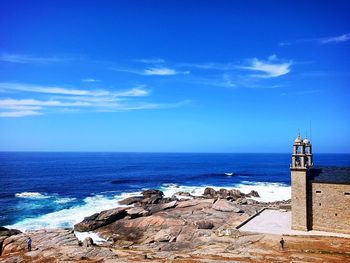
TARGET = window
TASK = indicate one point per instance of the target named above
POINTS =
(319, 204)
(318, 192)
(348, 194)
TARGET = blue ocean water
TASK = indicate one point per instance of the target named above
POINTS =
(58, 189)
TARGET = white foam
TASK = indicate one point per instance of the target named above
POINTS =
(95, 237)
(31, 195)
(268, 192)
(64, 200)
(66, 218)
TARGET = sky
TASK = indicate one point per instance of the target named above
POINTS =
(174, 76)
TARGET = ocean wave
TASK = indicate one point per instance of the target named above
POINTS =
(32, 195)
(66, 218)
(64, 200)
(269, 192)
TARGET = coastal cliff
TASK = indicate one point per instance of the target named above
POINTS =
(183, 228)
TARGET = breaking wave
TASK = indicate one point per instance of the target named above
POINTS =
(31, 195)
(67, 217)
(75, 211)
(268, 192)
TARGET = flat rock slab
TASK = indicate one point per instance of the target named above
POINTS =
(225, 206)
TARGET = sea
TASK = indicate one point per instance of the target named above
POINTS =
(56, 189)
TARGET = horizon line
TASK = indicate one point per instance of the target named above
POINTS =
(158, 152)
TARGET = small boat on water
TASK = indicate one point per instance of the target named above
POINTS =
(229, 174)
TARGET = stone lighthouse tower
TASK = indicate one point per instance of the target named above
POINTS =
(302, 162)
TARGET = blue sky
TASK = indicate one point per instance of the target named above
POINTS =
(174, 76)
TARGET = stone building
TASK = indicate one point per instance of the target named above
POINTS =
(320, 195)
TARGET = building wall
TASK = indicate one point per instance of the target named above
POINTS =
(330, 207)
(299, 200)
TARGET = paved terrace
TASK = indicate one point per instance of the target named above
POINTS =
(278, 222)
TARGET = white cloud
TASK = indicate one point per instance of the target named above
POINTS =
(320, 40)
(10, 103)
(209, 66)
(67, 100)
(228, 81)
(163, 71)
(89, 80)
(336, 39)
(19, 113)
(27, 59)
(150, 61)
(134, 92)
(50, 89)
(159, 71)
(268, 68)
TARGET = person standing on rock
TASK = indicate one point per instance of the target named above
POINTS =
(29, 242)
(282, 243)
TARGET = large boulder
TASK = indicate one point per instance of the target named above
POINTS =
(225, 206)
(8, 232)
(5, 233)
(135, 212)
(210, 192)
(98, 220)
(235, 193)
(151, 196)
(131, 200)
(152, 192)
(253, 193)
(160, 207)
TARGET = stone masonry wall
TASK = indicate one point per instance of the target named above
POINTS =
(299, 200)
(330, 207)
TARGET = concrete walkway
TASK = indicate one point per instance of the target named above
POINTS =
(278, 222)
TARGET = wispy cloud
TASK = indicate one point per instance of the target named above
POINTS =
(28, 59)
(19, 113)
(50, 89)
(336, 39)
(68, 100)
(164, 71)
(269, 69)
(247, 73)
(134, 92)
(90, 80)
(150, 61)
(156, 71)
(320, 40)
(210, 66)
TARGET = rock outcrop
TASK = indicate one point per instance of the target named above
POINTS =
(158, 229)
(4, 234)
(231, 194)
(101, 219)
(225, 206)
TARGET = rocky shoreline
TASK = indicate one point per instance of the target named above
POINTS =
(154, 228)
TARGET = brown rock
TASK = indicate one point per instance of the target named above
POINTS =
(100, 219)
(204, 224)
(187, 203)
(225, 206)
(210, 192)
(131, 200)
(253, 193)
(135, 212)
(183, 193)
(152, 192)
